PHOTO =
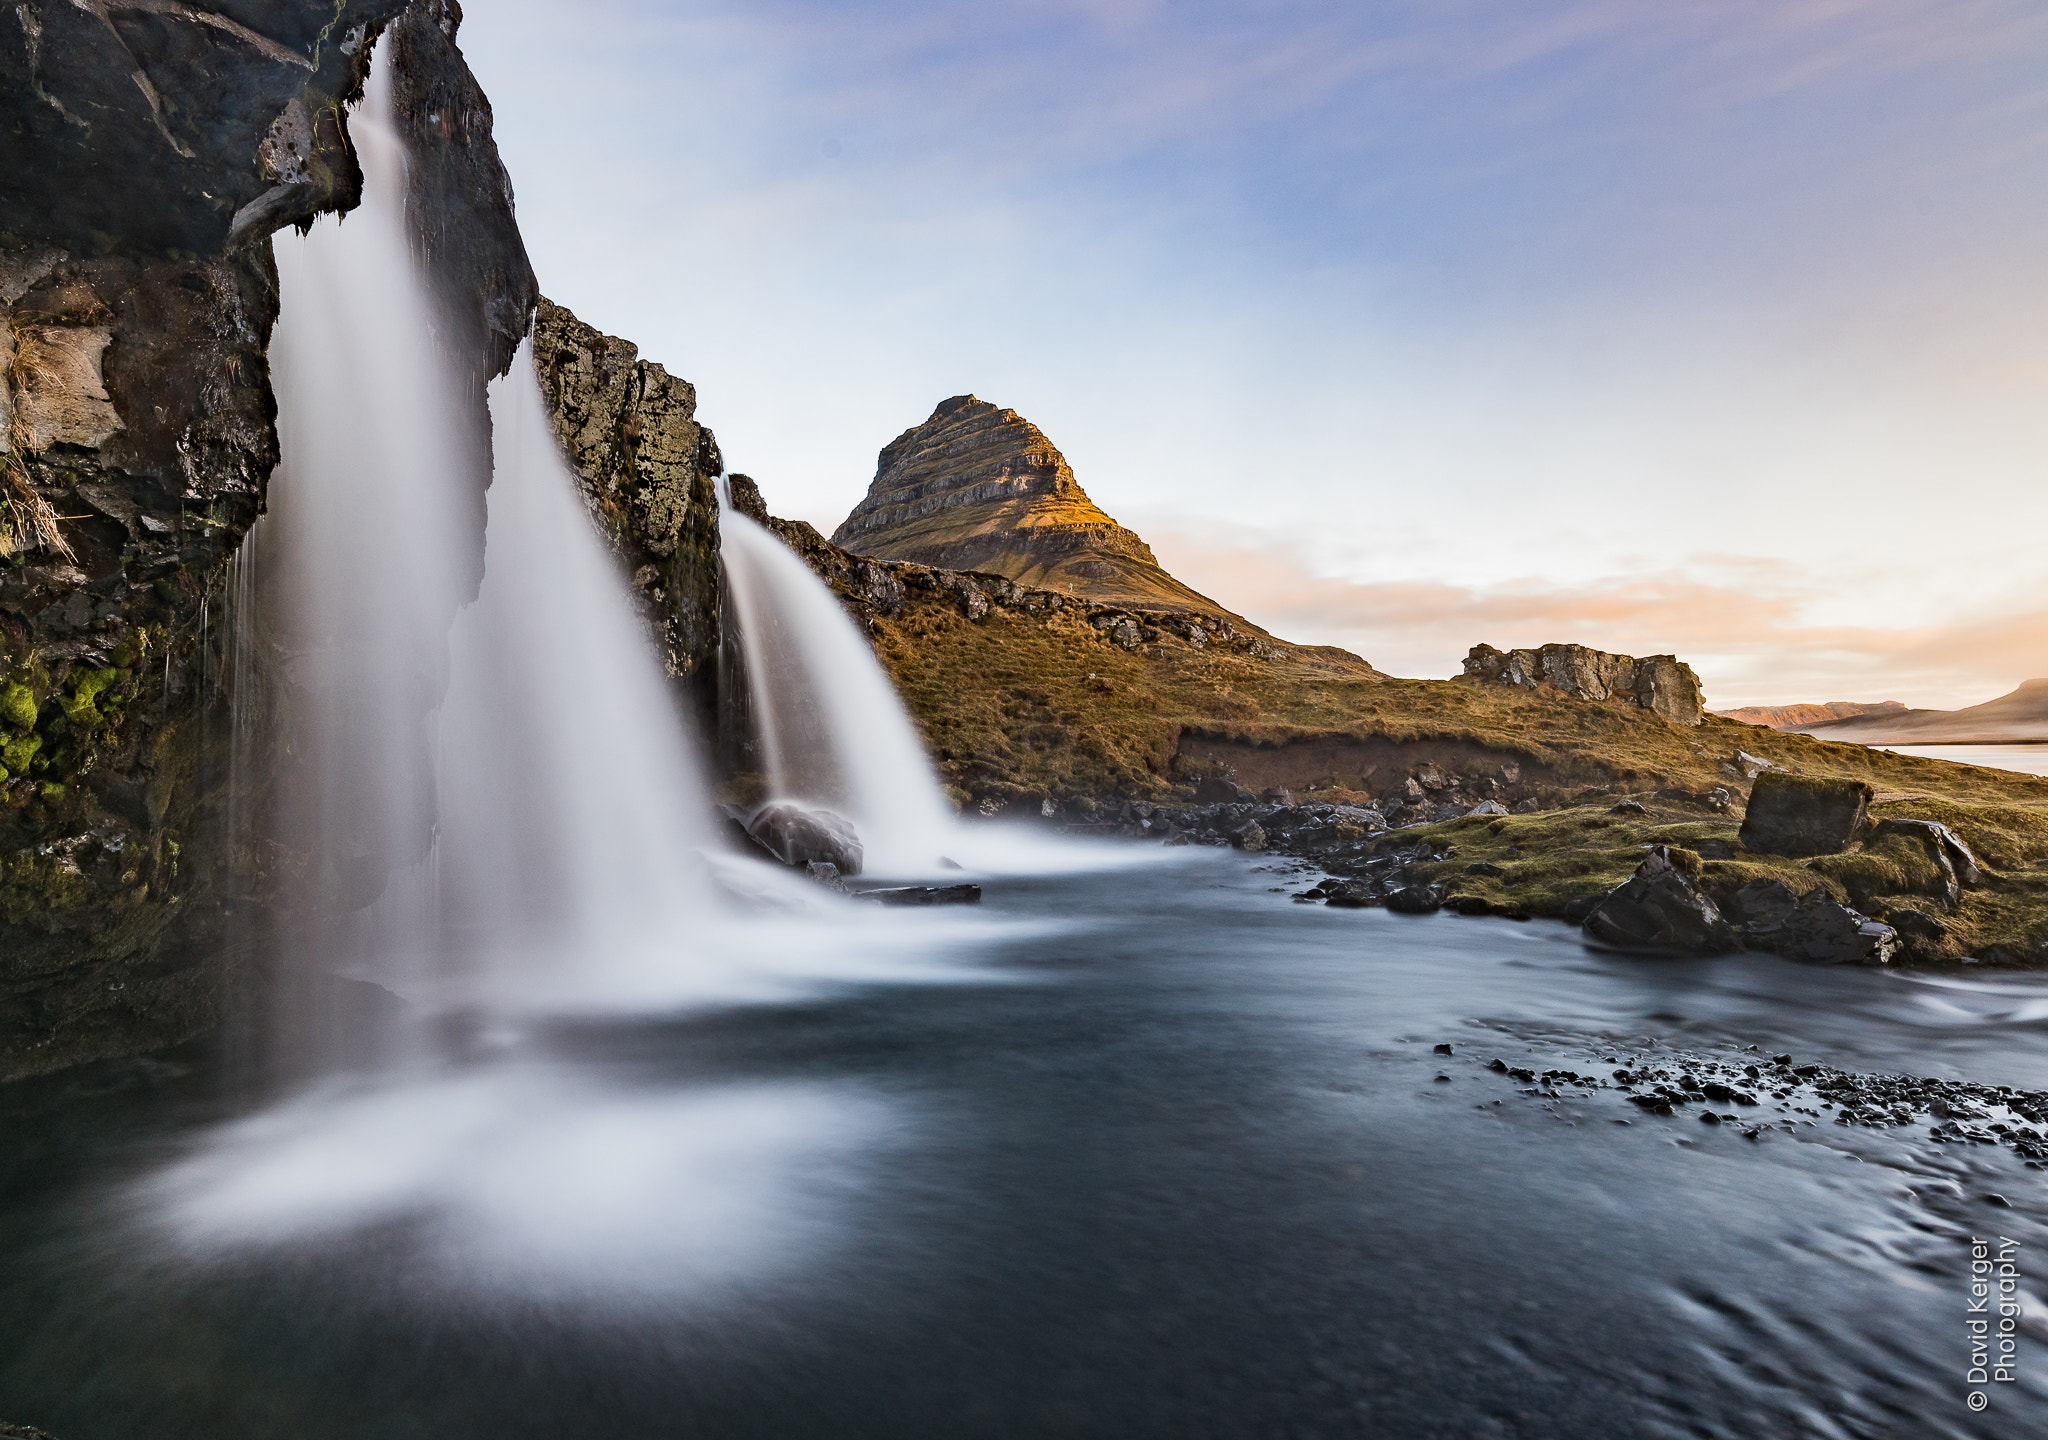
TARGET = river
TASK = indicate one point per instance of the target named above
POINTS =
(1148, 1151)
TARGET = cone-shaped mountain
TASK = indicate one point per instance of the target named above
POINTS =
(980, 488)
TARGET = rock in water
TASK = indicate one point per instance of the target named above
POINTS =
(1252, 838)
(923, 895)
(979, 488)
(1415, 900)
(1803, 815)
(1659, 908)
(801, 837)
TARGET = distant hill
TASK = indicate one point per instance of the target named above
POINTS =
(1795, 717)
(2009, 720)
(976, 487)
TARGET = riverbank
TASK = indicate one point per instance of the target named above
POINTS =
(1558, 863)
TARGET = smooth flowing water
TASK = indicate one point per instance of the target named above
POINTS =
(368, 550)
(1169, 1156)
(831, 730)
(503, 803)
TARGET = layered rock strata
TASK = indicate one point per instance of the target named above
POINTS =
(146, 155)
(977, 488)
(1660, 682)
(649, 473)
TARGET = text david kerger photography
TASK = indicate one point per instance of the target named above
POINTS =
(1994, 1317)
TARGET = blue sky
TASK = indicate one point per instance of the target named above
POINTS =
(1715, 328)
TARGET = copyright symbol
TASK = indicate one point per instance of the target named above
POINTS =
(1978, 1400)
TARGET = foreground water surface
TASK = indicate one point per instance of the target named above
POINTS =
(1144, 1152)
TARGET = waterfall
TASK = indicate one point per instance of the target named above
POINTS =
(365, 553)
(496, 790)
(831, 731)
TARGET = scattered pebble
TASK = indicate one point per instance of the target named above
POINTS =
(1955, 1112)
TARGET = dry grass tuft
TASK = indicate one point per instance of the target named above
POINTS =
(26, 519)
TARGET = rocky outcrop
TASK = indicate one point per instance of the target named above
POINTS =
(1660, 682)
(148, 153)
(982, 489)
(649, 473)
(1660, 908)
(1811, 927)
(176, 131)
(1804, 815)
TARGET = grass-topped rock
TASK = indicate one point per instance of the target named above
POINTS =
(1804, 814)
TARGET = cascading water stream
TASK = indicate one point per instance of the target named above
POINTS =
(831, 730)
(366, 551)
(497, 788)
(504, 824)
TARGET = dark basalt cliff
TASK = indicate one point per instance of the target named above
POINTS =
(982, 489)
(147, 151)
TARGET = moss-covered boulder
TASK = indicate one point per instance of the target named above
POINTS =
(1804, 814)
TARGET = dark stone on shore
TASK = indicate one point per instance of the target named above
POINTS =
(1803, 815)
(1415, 900)
(922, 895)
(1812, 927)
(1347, 894)
(1659, 908)
(799, 837)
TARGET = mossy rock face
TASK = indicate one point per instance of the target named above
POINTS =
(1804, 814)
(18, 705)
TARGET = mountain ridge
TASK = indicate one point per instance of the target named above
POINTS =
(2018, 718)
(976, 487)
(1792, 717)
